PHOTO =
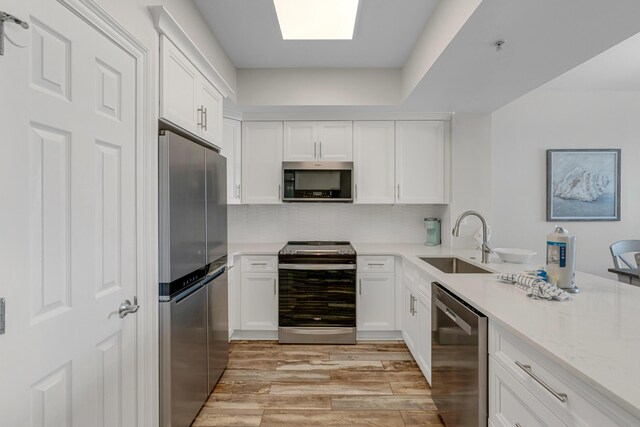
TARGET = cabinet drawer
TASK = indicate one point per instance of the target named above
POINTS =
(569, 398)
(376, 264)
(259, 264)
(510, 404)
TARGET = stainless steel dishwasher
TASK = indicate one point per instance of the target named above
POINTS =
(459, 360)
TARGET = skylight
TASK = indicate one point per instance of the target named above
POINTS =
(316, 19)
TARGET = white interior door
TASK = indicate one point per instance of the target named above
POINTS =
(68, 223)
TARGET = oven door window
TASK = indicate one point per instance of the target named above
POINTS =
(317, 298)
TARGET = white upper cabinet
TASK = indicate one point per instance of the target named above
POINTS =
(179, 88)
(231, 149)
(211, 107)
(335, 141)
(300, 141)
(374, 169)
(187, 99)
(420, 162)
(262, 162)
(322, 141)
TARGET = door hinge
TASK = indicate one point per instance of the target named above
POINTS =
(2, 316)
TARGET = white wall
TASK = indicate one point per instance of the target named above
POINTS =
(331, 221)
(134, 16)
(470, 174)
(525, 129)
(319, 86)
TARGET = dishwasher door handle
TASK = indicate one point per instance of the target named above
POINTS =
(453, 316)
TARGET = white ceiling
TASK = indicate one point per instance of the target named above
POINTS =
(385, 33)
(545, 39)
(617, 69)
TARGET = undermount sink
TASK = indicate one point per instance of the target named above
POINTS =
(453, 265)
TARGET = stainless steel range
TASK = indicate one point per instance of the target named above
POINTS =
(317, 293)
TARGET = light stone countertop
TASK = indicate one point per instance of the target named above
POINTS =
(595, 336)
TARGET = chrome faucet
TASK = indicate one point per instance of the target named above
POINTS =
(486, 249)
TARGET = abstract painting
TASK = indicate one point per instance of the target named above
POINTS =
(583, 185)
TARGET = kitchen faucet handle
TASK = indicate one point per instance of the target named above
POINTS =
(487, 248)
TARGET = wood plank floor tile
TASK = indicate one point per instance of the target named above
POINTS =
(311, 365)
(400, 365)
(392, 346)
(234, 418)
(370, 384)
(329, 347)
(410, 387)
(242, 387)
(268, 401)
(391, 403)
(302, 376)
(253, 364)
(384, 376)
(421, 418)
(332, 388)
(332, 418)
(378, 355)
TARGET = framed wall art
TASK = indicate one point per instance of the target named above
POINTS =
(583, 185)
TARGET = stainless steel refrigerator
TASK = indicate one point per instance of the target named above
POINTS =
(193, 313)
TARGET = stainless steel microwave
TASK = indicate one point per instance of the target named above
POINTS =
(317, 181)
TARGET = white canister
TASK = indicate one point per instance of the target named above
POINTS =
(561, 259)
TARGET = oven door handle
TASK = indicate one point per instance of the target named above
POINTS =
(317, 266)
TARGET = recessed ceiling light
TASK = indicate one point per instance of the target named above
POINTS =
(316, 19)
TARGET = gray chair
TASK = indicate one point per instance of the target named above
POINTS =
(625, 247)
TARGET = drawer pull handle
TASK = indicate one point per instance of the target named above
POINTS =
(377, 263)
(562, 397)
(258, 263)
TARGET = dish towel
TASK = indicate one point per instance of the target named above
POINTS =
(537, 287)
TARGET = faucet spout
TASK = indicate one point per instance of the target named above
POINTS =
(486, 249)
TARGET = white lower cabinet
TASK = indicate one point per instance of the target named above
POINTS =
(259, 301)
(411, 330)
(424, 354)
(510, 404)
(528, 389)
(417, 319)
(375, 302)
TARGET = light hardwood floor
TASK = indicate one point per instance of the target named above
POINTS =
(367, 384)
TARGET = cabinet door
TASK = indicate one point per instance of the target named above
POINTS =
(420, 162)
(411, 328)
(510, 404)
(374, 168)
(376, 302)
(230, 148)
(300, 141)
(424, 355)
(259, 301)
(179, 95)
(335, 141)
(261, 162)
(234, 300)
(211, 105)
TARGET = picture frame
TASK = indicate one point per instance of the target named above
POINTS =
(583, 185)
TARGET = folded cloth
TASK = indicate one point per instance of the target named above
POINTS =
(537, 287)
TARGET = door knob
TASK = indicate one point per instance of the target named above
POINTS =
(126, 307)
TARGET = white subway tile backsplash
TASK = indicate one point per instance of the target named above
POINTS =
(331, 221)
